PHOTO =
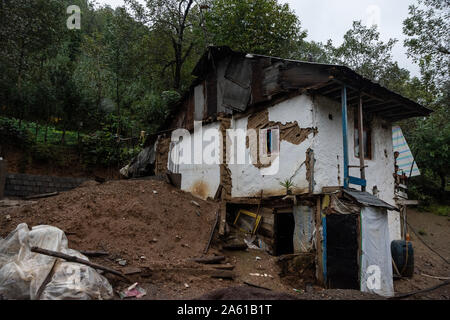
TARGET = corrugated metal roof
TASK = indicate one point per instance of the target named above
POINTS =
(327, 80)
(368, 200)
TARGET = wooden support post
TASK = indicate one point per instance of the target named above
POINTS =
(223, 218)
(3, 170)
(344, 136)
(361, 141)
(319, 251)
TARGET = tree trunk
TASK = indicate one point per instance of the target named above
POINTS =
(443, 182)
(63, 137)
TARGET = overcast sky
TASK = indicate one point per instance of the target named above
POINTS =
(330, 19)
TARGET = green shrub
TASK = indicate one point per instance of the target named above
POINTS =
(47, 153)
(12, 134)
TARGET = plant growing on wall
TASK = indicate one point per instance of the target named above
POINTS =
(287, 183)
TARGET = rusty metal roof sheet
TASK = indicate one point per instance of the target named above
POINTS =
(280, 76)
(368, 200)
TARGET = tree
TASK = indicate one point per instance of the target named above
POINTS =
(363, 51)
(255, 26)
(27, 30)
(428, 42)
(175, 20)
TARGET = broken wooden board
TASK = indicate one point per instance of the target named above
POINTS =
(223, 274)
(43, 195)
(212, 233)
(224, 267)
(235, 246)
(209, 260)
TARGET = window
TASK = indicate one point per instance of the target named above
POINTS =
(270, 141)
(367, 137)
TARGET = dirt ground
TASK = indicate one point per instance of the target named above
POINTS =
(436, 233)
(158, 229)
(71, 166)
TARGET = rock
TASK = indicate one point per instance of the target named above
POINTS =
(186, 285)
(122, 262)
(8, 218)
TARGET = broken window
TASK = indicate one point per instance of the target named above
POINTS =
(367, 138)
(247, 221)
(270, 141)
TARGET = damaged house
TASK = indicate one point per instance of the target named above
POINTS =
(328, 189)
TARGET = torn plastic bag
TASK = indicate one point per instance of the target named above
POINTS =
(74, 281)
(23, 273)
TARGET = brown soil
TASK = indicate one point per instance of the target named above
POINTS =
(70, 166)
(158, 233)
(436, 231)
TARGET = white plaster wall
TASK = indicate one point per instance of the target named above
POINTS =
(328, 146)
(202, 180)
(249, 180)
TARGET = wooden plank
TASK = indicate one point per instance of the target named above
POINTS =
(224, 267)
(43, 195)
(223, 218)
(331, 189)
(76, 260)
(319, 256)
(223, 274)
(212, 233)
(209, 260)
(408, 202)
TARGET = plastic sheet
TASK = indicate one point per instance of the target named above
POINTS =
(376, 259)
(23, 273)
(304, 229)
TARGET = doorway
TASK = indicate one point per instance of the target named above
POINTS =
(342, 251)
(284, 234)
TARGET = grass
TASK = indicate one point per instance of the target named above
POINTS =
(440, 210)
(422, 233)
(54, 135)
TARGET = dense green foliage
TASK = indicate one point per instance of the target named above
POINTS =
(95, 88)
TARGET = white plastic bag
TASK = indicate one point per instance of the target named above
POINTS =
(22, 272)
(74, 281)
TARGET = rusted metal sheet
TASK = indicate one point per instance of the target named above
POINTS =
(255, 80)
(239, 71)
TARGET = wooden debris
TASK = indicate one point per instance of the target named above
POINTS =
(256, 286)
(43, 195)
(94, 253)
(209, 260)
(195, 203)
(218, 194)
(76, 260)
(212, 233)
(434, 277)
(131, 270)
(223, 274)
(235, 246)
(224, 267)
